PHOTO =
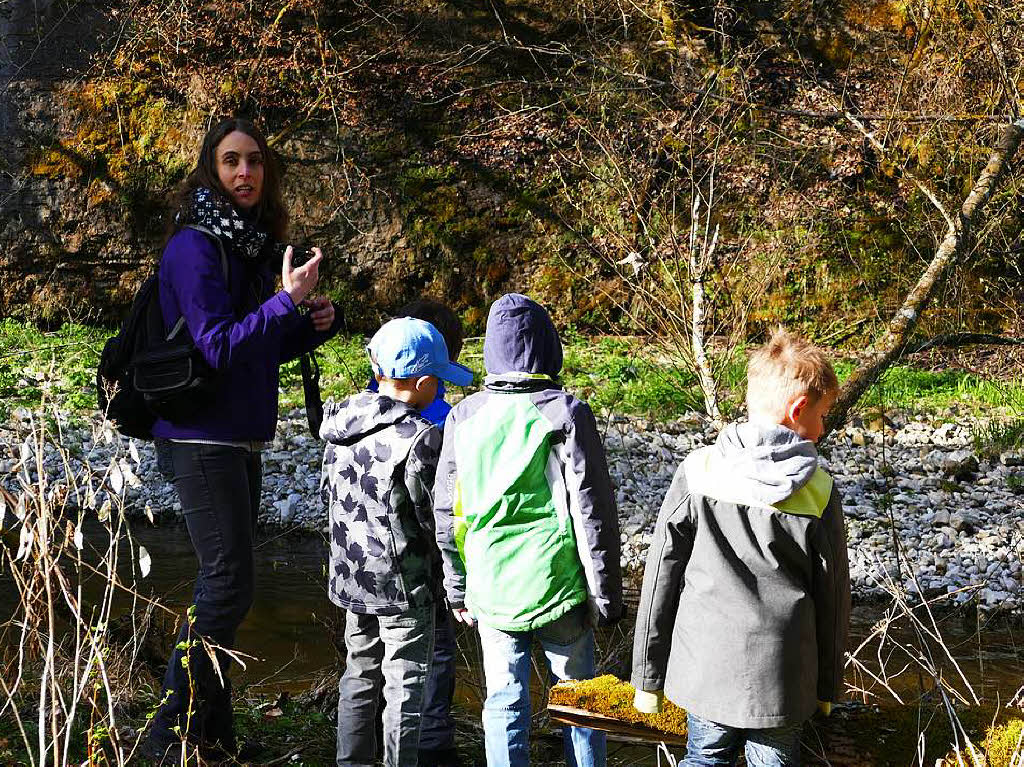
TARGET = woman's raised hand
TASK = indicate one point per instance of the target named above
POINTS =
(300, 281)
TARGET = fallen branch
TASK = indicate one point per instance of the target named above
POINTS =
(901, 328)
(959, 340)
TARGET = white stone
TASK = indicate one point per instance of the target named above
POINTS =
(940, 518)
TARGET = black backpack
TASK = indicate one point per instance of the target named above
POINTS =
(144, 374)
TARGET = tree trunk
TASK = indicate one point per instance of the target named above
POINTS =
(952, 247)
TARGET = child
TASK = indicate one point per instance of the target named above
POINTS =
(437, 733)
(746, 595)
(379, 467)
(527, 527)
(450, 327)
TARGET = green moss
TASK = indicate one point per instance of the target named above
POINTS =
(1004, 745)
(127, 134)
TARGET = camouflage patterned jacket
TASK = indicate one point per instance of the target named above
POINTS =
(377, 481)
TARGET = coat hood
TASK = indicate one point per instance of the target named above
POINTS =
(766, 463)
(355, 418)
(521, 339)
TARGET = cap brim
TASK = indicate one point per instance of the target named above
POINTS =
(457, 374)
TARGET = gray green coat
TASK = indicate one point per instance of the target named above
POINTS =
(746, 595)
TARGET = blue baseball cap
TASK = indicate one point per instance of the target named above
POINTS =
(408, 348)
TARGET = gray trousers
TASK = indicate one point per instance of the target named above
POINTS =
(393, 651)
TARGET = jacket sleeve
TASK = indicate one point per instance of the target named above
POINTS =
(303, 338)
(420, 468)
(664, 576)
(594, 515)
(191, 267)
(831, 590)
(447, 515)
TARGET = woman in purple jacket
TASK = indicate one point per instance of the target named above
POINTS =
(230, 203)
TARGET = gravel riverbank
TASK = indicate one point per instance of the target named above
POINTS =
(959, 517)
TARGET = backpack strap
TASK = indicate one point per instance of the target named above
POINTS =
(223, 266)
(311, 392)
(220, 246)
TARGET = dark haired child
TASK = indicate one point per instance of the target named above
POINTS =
(378, 475)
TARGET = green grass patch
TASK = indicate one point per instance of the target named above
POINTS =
(614, 374)
(58, 366)
(904, 387)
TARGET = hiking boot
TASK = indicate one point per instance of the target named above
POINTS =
(439, 757)
(160, 755)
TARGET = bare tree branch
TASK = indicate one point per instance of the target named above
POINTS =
(958, 340)
(894, 342)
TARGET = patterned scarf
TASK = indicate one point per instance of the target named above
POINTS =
(216, 214)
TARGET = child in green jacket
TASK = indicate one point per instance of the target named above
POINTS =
(527, 526)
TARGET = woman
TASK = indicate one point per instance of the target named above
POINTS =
(244, 330)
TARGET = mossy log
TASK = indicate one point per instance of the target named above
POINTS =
(856, 735)
(610, 697)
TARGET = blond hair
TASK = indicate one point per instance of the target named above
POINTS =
(784, 368)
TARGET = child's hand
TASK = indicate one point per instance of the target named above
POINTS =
(462, 615)
(649, 702)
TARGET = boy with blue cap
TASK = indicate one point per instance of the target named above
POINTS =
(378, 475)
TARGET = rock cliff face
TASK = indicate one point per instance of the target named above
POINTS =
(57, 258)
(88, 163)
(466, 149)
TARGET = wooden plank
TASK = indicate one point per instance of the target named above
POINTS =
(579, 717)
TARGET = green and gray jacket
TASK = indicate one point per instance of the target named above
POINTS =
(525, 514)
(746, 596)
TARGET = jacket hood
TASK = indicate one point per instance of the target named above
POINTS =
(766, 463)
(355, 418)
(521, 339)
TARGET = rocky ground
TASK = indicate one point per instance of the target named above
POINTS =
(958, 516)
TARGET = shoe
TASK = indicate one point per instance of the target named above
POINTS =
(159, 755)
(439, 757)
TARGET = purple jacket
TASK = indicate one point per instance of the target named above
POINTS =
(243, 329)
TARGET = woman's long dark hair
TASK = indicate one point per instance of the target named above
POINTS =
(271, 214)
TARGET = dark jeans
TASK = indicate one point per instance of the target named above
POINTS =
(219, 488)
(438, 729)
(390, 653)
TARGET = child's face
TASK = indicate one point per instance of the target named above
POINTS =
(807, 418)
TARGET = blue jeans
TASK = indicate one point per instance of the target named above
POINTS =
(569, 648)
(709, 744)
(391, 652)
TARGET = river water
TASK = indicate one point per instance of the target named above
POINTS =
(289, 629)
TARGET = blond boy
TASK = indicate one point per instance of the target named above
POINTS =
(746, 595)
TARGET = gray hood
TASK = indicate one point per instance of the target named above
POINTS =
(520, 339)
(766, 464)
(361, 415)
